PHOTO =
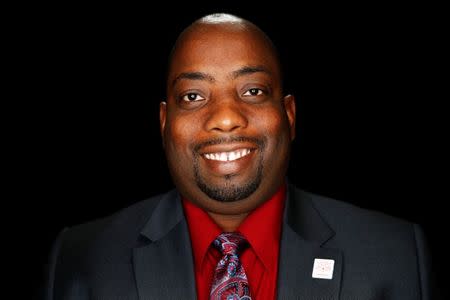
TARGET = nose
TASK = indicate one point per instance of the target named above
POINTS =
(226, 116)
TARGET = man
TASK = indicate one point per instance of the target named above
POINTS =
(234, 228)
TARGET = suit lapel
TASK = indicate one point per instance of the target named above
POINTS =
(163, 266)
(303, 237)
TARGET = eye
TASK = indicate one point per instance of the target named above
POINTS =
(192, 97)
(253, 92)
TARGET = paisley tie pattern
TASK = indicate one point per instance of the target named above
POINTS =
(230, 281)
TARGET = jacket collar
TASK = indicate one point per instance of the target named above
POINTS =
(304, 219)
(164, 266)
(303, 240)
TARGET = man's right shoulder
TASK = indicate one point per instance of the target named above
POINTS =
(121, 227)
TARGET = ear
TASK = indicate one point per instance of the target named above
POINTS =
(162, 118)
(289, 106)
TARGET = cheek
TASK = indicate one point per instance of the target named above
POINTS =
(177, 138)
(179, 134)
(272, 124)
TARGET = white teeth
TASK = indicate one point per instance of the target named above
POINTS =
(232, 156)
(223, 156)
(228, 156)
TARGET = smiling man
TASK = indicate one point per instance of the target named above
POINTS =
(234, 228)
(226, 118)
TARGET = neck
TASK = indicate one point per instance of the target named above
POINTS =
(228, 223)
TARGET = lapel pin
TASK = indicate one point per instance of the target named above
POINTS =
(323, 268)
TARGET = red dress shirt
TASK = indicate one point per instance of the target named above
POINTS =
(261, 228)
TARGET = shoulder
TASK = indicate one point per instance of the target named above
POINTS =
(111, 232)
(373, 243)
(84, 255)
(353, 223)
(340, 212)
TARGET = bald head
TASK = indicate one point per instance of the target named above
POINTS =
(224, 28)
(222, 19)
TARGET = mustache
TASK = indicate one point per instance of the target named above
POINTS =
(227, 140)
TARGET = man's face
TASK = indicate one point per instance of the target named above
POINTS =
(226, 126)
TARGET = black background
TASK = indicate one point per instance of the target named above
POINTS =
(89, 81)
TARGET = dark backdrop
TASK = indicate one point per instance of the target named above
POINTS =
(364, 78)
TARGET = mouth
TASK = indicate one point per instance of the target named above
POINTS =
(228, 158)
(228, 155)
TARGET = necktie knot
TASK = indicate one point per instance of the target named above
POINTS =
(230, 243)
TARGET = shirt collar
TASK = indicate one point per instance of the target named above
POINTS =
(202, 229)
(261, 228)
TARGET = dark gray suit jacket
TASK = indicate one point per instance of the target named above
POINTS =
(144, 252)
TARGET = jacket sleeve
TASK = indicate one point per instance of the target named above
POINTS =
(428, 286)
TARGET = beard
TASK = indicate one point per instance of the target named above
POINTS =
(229, 191)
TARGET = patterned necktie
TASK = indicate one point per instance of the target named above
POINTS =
(230, 281)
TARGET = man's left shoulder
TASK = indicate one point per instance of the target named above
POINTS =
(348, 219)
(378, 245)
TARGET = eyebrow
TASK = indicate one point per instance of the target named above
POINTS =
(193, 76)
(247, 70)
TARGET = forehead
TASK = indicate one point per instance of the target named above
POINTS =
(222, 49)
